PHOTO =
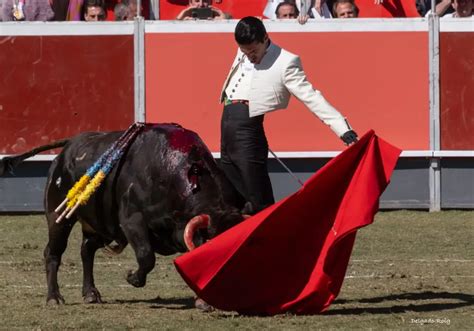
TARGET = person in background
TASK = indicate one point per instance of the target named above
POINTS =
(442, 7)
(121, 12)
(132, 8)
(21, 10)
(345, 9)
(60, 9)
(309, 8)
(462, 8)
(262, 79)
(126, 10)
(94, 10)
(319, 8)
(288, 10)
(191, 12)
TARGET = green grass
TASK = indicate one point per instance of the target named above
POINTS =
(409, 270)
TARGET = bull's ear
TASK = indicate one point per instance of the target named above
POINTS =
(248, 209)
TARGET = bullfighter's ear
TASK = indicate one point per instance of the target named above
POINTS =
(248, 209)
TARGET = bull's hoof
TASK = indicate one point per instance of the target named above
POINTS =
(134, 280)
(55, 300)
(93, 296)
(203, 305)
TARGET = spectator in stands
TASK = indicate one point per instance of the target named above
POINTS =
(311, 8)
(345, 9)
(21, 10)
(94, 10)
(462, 8)
(132, 8)
(320, 8)
(60, 9)
(201, 9)
(121, 12)
(443, 7)
(287, 10)
(126, 10)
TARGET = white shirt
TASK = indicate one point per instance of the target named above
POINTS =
(278, 76)
(239, 84)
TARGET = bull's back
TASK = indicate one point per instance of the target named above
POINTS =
(158, 151)
(76, 157)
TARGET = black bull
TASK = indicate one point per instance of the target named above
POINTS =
(165, 178)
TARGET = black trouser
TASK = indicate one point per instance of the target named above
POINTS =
(244, 154)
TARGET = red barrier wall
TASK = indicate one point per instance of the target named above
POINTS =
(363, 74)
(457, 90)
(53, 87)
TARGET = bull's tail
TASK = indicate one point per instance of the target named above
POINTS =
(11, 162)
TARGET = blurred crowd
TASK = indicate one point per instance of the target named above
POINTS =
(123, 10)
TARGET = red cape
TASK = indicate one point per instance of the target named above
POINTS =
(292, 256)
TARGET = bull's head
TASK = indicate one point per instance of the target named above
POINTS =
(213, 194)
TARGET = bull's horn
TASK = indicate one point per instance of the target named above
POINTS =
(197, 222)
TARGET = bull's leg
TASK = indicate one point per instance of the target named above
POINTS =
(90, 244)
(58, 236)
(136, 231)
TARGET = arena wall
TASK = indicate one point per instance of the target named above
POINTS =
(411, 80)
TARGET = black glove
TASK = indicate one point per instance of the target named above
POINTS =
(349, 137)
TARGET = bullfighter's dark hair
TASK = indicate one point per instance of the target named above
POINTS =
(248, 30)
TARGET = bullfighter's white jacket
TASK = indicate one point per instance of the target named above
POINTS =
(278, 75)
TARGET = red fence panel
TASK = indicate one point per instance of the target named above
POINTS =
(457, 90)
(363, 73)
(56, 86)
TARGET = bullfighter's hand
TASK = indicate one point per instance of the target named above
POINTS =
(349, 137)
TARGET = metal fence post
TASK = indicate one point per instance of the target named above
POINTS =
(139, 68)
(435, 164)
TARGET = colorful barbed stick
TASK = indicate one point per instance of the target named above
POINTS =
(85, 186)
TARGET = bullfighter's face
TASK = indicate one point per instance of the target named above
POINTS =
(255, 51)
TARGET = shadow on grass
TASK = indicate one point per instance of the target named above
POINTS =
(167, 303)
(464, 300)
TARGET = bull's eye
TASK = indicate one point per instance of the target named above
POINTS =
(193, 177)
(58, 182)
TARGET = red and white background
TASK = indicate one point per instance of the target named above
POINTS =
(59, 79)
